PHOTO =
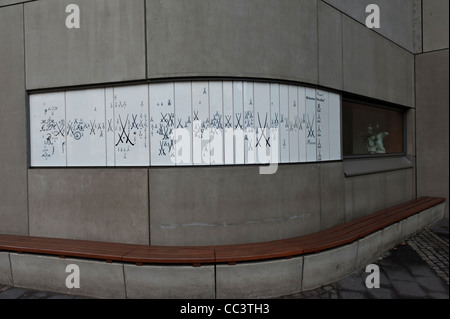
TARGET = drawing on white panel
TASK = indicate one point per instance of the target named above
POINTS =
(85, 120)
(311, 121)
(216, 125)
(239, 136)
(183, 128)
(48, 129)
(201, 134)
(262, 123)
(249, 124)
(131, 126)
(162, 123)
(185, 123)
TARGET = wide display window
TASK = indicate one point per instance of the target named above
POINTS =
(372, 130)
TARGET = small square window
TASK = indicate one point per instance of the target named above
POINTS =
(371, 131)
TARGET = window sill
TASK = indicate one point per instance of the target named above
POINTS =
(362, 166)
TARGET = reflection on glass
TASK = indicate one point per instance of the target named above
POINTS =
(369, 130)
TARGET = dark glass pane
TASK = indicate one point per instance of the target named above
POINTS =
(369, 130)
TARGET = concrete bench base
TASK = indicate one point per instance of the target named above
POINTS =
(264, 279)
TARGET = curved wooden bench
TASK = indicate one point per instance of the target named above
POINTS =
(231, 254)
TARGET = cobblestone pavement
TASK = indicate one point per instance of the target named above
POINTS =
(415, 269)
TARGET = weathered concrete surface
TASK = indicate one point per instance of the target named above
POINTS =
(400, 20)
(328, 266)
(389, 238)
(369, 249)
(330, 46)
(5, 270)
(13, 124)
(97, 279)
(435, 25)
(91, 204)
(432, 81)
(266, 279)
(253, 38)
(109, 46)
(375, 67)
(169, 282)
(230, 205)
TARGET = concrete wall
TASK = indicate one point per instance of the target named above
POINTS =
(432, 82)
(109, 46)
(105, 205)
(400, 20)
(432, 131)
(435, 25)
(310, 42)
(264, 38)
(13, 123)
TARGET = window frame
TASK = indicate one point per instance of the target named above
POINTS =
(378, 105)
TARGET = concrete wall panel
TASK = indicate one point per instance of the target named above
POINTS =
(169, 282)
(5, 270)
(255, 38)
(109, 46)
(432, 113)
(399, 186)
(400, 20)
(364, 195)
(435, 25)
(375, 67)
(389, 238)
(10, 2)
(332, 195)
(328, 266)
(368, 249)
(92, 204)
(13, 123)
(97, 279)
(259, 280)
(330, 46)
(227, 205)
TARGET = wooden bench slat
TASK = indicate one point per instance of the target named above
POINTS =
(318, 241)
(330, 238)
(256, 251)
(171, 254)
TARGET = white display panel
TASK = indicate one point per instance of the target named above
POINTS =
(162, 124)
(228, 125)
(216, 144)
(47, 129)
(239, 135)
(249, 124)
(302, 124)
(275, 122)
(185, 123)
(85, 122)
(284, 124)
(294, 124)
(131, 125)
(323, 126)
(310, 128)
(262, 123)
(109, 127)
(200, 114)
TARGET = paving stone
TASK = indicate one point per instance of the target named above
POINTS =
(406, 288)
(353, 283)
(345, 294)
(12, 293)
(382, 293)
(434, 284)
